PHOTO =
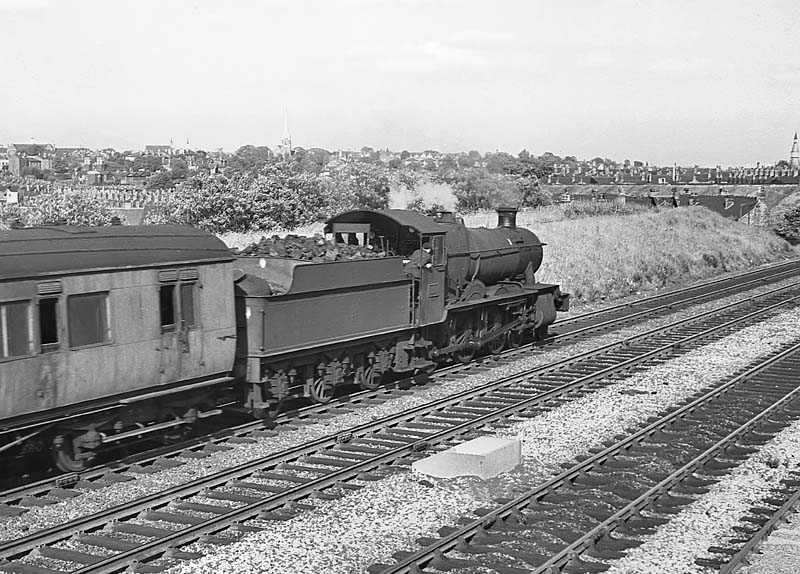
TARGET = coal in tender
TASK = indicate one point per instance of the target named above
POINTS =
(315, 249)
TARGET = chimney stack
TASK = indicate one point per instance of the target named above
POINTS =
(507, 217)
(445, 217)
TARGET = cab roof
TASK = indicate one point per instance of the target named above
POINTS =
(404, 218)
(59, 250)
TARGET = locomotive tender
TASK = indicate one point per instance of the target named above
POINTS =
(111, 333)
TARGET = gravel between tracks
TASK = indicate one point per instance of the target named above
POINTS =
(347, 535)
(780, 554)
(145, 484)
(708, 521)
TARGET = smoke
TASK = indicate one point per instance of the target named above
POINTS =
(505, 194)
(424, 196)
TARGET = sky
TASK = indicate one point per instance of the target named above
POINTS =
(694, 82)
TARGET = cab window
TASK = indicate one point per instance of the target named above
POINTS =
(15, 330)
(437, 250)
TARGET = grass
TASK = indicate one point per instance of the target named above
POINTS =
(606, 258)
(618, 253)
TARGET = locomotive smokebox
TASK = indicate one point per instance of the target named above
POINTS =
(507, 217)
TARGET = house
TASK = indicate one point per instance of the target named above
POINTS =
(22, 157)
(7, 196)
(158, 150)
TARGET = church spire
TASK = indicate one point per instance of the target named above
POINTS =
(794, 155)
(286, 135)
(285, 147)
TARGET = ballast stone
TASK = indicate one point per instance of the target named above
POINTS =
(484, 457)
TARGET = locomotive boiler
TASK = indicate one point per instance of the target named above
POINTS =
(490, 256)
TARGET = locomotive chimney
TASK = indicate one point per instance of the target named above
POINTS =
(445, 217)
(507, 217)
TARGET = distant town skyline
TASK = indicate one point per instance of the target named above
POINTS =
(707, 83)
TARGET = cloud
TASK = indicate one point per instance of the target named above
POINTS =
(20, 6)
(787, 75)
(679, 65)
(598, 60)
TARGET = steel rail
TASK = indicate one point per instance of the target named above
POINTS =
(159, 546)
(51, 535)
(735, 561)
(773, 273)
(45, 536)
(465, 533)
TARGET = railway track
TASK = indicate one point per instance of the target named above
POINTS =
(219, 507)
(627, 489)
(757, 525)
(51, 490)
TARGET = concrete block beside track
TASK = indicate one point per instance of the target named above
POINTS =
(484, 457)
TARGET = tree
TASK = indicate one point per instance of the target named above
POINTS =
(147, 164)
(248, 159)
(502, 162)
(161, 180)
(788, 226)
(69, 208)
(28, 171)
(180, 170)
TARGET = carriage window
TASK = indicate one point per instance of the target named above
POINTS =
(187, 304)
(166, 299)
(14, 329)
(437, 255)
(88, 319)
(48, 324)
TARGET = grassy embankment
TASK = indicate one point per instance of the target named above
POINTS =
(607, 257)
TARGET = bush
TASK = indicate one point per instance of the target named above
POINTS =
(71, 208)
(788, 226)
(275, 199)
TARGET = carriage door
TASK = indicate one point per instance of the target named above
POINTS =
(181, 345)
(433, 282)
(171, 346)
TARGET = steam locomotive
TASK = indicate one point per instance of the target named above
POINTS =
(109, 334)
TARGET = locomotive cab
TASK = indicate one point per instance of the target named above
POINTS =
(420, 241)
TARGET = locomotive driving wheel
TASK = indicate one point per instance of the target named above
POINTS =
(494, 322)
(466, 354)
(515, 338)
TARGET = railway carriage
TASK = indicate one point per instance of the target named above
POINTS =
(112, 328)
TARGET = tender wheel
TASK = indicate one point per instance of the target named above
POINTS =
(368, 379)
(67, 456)
(320, 391)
